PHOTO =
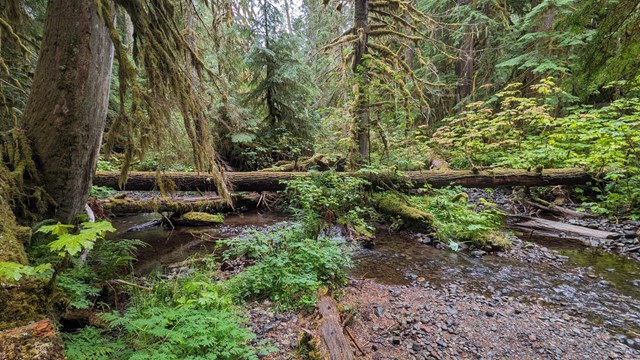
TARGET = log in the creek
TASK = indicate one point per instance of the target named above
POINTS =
(273, 181)
(178, 205)
(329, 339)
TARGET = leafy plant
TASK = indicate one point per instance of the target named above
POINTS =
(326, 199)
(15, 272)
(455, 219)
(525, 133)
(190, 318)
(68, 243)
(289, 267)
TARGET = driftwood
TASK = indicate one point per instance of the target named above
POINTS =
(330, 341)
(273, 181)
(178, 205)
(555, 209)
(554, 229)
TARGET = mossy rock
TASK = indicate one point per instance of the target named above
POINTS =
(394, 206)
(195, 218)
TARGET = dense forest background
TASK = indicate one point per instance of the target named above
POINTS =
(378, 83)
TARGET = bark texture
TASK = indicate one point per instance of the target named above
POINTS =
(329, 338)
(37, 341)
(66, 113)
(273, 181)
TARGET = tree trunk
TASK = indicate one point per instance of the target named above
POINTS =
(464, 65)
(66, 112)
(361, 20)
(273, 181)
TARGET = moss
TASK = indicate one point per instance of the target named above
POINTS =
(11, 236)
(412, 218)
(496, 239)
(195, 218)
(25, 301)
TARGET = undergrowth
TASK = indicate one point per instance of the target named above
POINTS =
(290, 267)
(457, 220)
(187, 318)
(526, 132)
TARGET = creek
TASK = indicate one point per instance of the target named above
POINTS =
(603, 288)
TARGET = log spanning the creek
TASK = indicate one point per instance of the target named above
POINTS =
(273, 181)
(181, 205)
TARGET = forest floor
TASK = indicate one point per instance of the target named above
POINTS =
(443, 317)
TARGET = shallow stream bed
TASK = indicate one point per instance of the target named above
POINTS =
(600, 287)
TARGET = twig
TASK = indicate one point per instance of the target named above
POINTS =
(124, 282)
(354, 341)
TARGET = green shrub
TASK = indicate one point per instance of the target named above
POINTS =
(525, 132)
(188, 318)
(289, 267)
(326, 199)
(455, 219)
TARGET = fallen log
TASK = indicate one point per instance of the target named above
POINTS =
(211, 205)
(549, 228)
(555, 209)
(273, 181)
(329, 340)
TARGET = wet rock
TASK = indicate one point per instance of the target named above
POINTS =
(395, 340)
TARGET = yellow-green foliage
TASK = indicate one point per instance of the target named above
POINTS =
(456, 220)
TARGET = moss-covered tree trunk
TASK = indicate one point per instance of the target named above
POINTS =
(66, 112)
(361, 21)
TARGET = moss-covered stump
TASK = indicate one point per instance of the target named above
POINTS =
(195, 218)
(24, 301)
(37, 341)
(412, 218)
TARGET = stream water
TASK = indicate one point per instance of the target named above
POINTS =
(598, 286)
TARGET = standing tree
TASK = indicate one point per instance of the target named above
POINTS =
(386, 38)
(64, 119)
(281, 85)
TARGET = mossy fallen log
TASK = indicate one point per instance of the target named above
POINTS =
(273, 181)
(25, 301)
(412, 218)
(34, 341)
(211, 205)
